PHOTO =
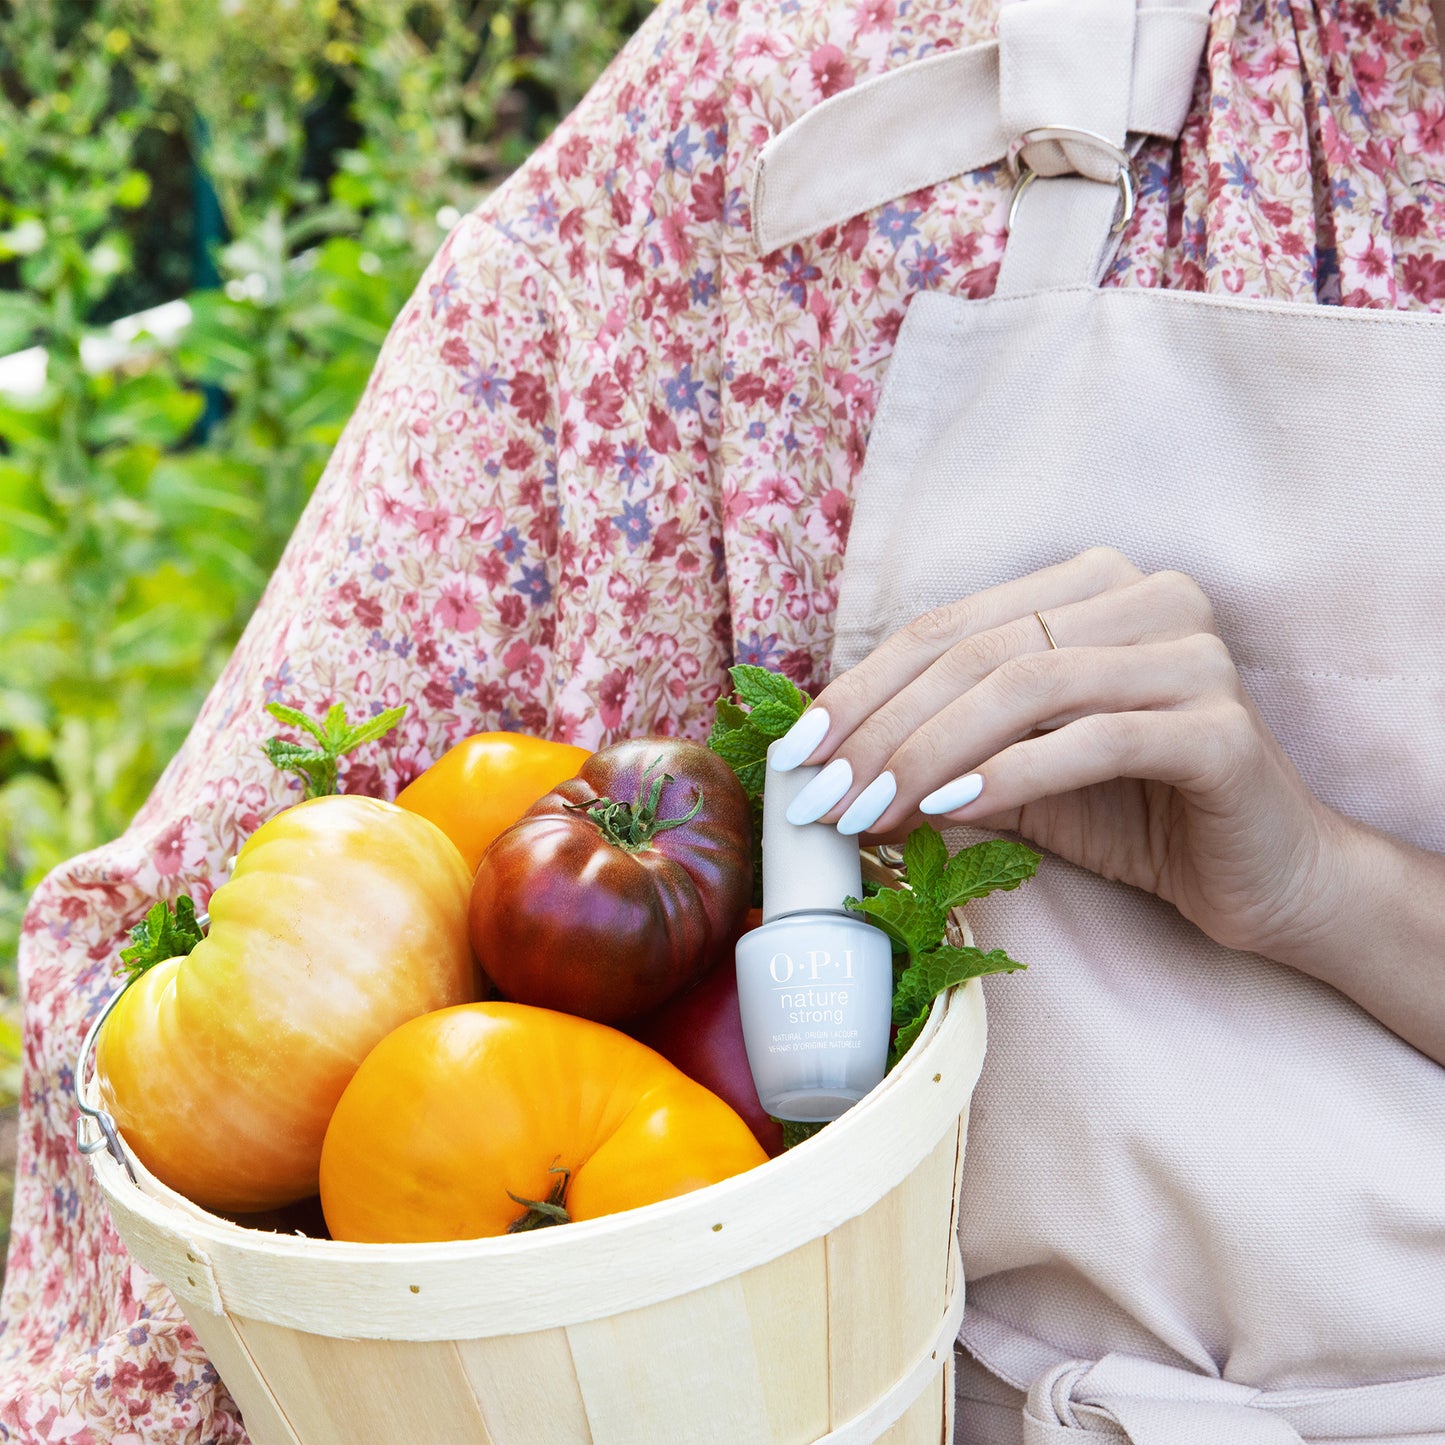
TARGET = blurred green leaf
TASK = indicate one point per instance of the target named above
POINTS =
(145, 408)
(20, 318)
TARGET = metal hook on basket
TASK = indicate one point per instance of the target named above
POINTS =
(109, 1138)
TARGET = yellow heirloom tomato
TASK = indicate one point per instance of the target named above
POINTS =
(495, 1117)
(344, 917)
(485, 783)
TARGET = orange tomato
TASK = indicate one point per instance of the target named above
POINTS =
(344, 917)
(485, 783)
(455, 1113)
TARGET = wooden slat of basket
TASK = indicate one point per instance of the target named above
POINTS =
(919, 1425)
(787, 1301)
(887, 1283)
(954, 1267)
(638, 1371)
(347, 1390)
(266, 1421)
(526, 1386)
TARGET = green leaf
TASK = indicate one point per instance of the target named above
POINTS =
(753, 777)
(773, 719)
(740, 747)
(20, 317)
(334, 736)
(149, 407)
(160, 935)
(906, 1037)
(940, 969)
(988, 867)
(334, 723)
(905, 916)
(919, 984)
(795, 1131)
(757, 686)
(286, 754)
(376, 727)
(925, 856)
(297, 719)
(728, 718)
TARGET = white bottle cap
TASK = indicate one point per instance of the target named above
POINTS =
(808, 867)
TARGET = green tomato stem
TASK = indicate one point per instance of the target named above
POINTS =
(632, 826)
(543, 1213)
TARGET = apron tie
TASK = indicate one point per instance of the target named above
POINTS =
(1127, 1399)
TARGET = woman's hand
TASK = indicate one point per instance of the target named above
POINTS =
(1132, 750)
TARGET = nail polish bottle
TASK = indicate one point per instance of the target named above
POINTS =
(815, 982)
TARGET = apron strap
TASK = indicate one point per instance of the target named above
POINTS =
(1062, 234)
(1123, 1398)
(1146, 1404)
(1066, 63)
(1108, 67)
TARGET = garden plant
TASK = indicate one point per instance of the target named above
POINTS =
(288, 168)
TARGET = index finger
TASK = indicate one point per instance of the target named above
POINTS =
(854, 696)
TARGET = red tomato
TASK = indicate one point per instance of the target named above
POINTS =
(344, 917)
(621, 886)
(701, 1031)
(485, 783)
(459, 1118)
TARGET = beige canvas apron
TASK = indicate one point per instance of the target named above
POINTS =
(1205, 1195)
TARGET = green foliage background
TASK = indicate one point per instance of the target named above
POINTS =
(142, 507)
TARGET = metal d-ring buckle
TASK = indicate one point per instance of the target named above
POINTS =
(1126, 178)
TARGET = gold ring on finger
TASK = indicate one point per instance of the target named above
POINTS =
(1052, 644)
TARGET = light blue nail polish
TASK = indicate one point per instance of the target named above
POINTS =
(799, 740)
(869, 805)
(953, 795)
(821, 793)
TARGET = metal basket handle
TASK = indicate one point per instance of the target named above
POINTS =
(109, 1139)
(109, 1136)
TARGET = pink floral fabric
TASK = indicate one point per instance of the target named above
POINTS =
(609, 450)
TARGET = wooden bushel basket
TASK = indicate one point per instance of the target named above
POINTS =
(814, 1298)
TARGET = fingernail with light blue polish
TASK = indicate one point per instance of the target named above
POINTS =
(953, 795)
(799, 740)
(821, 793)
(869, 805)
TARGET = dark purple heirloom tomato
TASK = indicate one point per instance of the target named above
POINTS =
(621, 886)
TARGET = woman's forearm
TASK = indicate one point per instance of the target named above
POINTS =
(1380, 934)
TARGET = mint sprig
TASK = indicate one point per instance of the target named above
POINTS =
(916, 919)
(767, 705)
(333, 738)
(920, 983)
(160, 935)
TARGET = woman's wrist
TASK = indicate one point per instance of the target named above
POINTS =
(1375, 930)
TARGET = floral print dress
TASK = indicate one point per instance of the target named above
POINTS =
(607, 451)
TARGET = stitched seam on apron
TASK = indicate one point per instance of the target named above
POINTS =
(1304, 312)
